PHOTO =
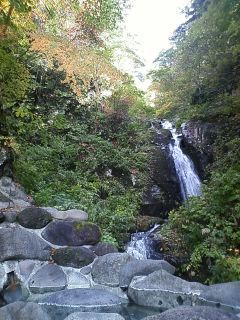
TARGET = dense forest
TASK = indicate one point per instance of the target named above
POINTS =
(74, 127)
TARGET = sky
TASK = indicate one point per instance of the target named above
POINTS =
(152, 22)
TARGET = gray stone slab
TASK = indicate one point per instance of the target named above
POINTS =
(18, 243)
(94, 316)
(193, 313)
(65, 302)
(23, 311)
(224, 295)
(48, 279)
(161, 289)
(106, 269)
(72, 214)
(142, 267)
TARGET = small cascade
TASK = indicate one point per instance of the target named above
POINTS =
(189, 180)
(141, 244)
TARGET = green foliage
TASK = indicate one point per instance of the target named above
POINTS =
(202, 65)
(14, 77)
(210, 226)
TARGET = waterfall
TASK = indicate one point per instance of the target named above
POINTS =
(140, 245)
(190, 183)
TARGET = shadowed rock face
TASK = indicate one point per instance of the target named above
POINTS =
(162, 193)
(34, 218)
(75, 257)
(198, 140)
(71, 233)
(193, 313)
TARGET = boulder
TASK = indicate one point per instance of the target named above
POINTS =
(94, 316)
(161, 289)
(26, 268)
(140, 268)
(106, 269)
(224, 295)
(102, 248)
(193, 313)
(18, 243)
(68, 301)
(12, 189)
(48, 279)
(75, 279)
(72, 214)
(23, 311)
(75, 257)
(71, 233)
(10, 216)
(34, 218)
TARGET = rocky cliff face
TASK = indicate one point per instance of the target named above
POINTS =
(198, 140)
(162, 192)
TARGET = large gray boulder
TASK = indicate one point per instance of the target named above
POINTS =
(193, 313)
(75, 257)
(224, 295)
(80, 300)
(71, 214)
(34, 218)
(48, 279)
(161, 289)
(18, 243)
(72, 233)
(106, 269)
(23, 311)
(94, 316)
(142, 268)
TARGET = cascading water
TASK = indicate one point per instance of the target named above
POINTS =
(189, 180)
(140, 245)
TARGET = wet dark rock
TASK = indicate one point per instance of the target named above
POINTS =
(106, 269)
(140, 268)
(71, 233)
(23, 311)
(162, 193)
(102, 248)
(193, 313)
(34, 218)
(17, 243)
(75, 257)
(48, 279)
(198, 140)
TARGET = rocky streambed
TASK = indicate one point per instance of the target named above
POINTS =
(53, 266)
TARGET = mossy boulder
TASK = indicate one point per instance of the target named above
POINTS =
(72, 233)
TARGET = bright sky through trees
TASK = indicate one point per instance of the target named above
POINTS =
(153, 22)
